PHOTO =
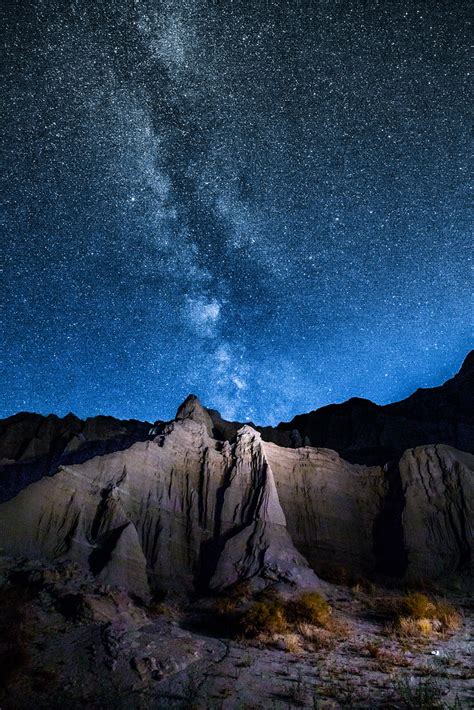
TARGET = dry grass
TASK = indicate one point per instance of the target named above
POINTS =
(415, 615)
(304, 622)
(309, 607)
(364, 586)
(409, 627)
(273, 615)
(421, 615)
(417, 606)
(266, 616)
(316, 638)
(386, 658)
(449, 618)
(291, 643)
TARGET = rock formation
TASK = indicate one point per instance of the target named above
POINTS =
(169, 514)
(199, 503)
(438, 514)
(363, 432)
(33, 446)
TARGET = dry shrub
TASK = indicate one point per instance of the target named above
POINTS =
(315, 637)
(273, 615)
(409, 627)
(266, 616)
(374, 649)
(365, 586)
(384, 656)
(418, 606)
(340, 628)
(292, 643)
(309, 607)
(448, 617)
(430, 615)
(418, 615)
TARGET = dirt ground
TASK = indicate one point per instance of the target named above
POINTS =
(68, 642)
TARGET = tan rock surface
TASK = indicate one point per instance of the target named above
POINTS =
(184, 511)
(329, 504)
(438, 518)
(180, 509)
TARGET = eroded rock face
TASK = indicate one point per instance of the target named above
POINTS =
(199, 503)
(438, 515)
(165, 514)
(329, 504)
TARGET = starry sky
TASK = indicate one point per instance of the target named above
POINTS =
(264, 203)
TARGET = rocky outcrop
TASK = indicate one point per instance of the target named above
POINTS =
(329, 504)
(169, 514)
(33, 446)
(438, 515)
(199, 503)
(185, 511)
(413, 519)
(193, 409)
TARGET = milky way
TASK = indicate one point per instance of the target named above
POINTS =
(264, 203)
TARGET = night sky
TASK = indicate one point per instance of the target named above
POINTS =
(264, 203)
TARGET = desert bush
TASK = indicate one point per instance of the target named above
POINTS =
(266, 616)
(365, 586)
(373, 649)
(385, 657)
(448, 617)
(309, 607)
(417, 606)
(315, 637)
(273, 615)
(409, 627)
(420, 606)
(291, 642)
(418, 615)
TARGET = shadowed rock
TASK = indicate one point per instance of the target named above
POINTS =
(364, 432)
